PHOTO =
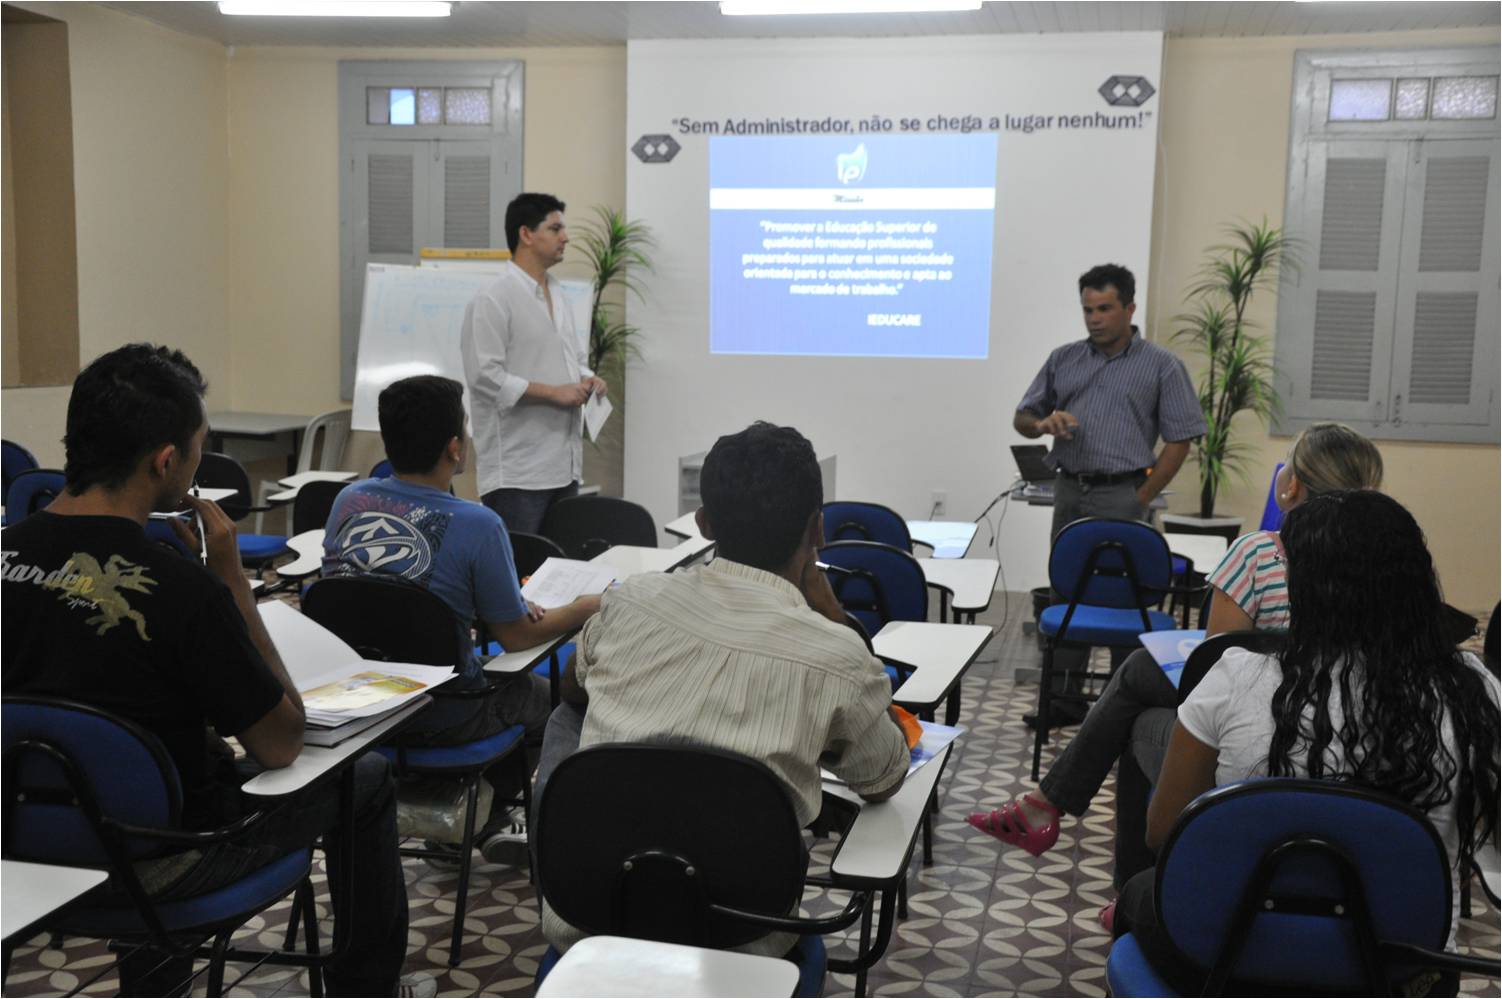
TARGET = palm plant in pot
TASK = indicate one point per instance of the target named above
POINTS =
(616, 249)
(1238, 372)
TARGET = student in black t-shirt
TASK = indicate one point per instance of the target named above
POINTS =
(94, 611)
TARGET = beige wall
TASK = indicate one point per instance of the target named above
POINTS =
(1224, 156)
(150, 185)
(284, 199)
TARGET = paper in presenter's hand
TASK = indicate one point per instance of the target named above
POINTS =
(596, 411)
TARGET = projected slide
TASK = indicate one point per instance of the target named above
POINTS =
(855, 246)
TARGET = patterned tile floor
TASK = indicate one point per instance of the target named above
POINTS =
(984, 920)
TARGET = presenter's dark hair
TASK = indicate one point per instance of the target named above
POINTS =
(760, 487)
(1366, 631)
(124, 405)
(1103, 276)
(419, 416)
(528, 210)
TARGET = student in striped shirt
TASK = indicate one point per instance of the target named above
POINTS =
(1134, 715)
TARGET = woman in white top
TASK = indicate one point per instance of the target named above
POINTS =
(1368, 690)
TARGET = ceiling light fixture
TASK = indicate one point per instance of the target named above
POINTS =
(747, 8)
(337, 8)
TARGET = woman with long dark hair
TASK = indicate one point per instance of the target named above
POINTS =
(1368, 690)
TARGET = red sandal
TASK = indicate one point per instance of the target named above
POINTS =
(1009, 825)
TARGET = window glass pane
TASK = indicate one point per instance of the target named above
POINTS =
(403, 106)
(1360, 100)
(1413, 99)
(378, 105)
(1465, 97)
(466, 105)
(430, 106)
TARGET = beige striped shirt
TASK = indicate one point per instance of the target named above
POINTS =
(733, 657)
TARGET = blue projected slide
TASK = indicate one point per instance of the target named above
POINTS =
(856, 246)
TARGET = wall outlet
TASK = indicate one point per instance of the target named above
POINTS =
(938, 503)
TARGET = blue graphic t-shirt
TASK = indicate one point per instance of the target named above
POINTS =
(457, 549)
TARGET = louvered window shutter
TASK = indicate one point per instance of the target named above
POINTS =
(466, 196)
(1446, 330)
(390, 203)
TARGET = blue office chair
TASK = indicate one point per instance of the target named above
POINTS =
(381, 469)
(389, 618)
(88, 789)
(14, 459)
(851, 521)
(31, 491)
(220, 471)
(1272, 515)
(1111, 573)
(1294, 886)
(877, 583)
(712, 855)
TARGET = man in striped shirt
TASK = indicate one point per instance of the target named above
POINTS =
(748, 654)
(1105, 400)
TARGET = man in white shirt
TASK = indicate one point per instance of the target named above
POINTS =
(527, 368)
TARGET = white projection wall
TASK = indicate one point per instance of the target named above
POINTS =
(1073, 121)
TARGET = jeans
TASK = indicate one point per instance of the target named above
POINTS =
(523, 509)
(373, 934)
(1130, 722)
(520, 700)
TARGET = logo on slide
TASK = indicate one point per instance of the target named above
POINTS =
(1126, 91)
(851, 166)
(656, 148)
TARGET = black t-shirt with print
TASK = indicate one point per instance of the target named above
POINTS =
(93, 611)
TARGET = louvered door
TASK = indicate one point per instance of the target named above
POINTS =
(391, 183)
(462, 198)
(1446, 332)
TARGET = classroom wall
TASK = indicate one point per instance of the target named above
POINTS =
(150, 187)
(284, 200)
(1224, 156)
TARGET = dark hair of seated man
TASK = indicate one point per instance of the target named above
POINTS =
(759, 488)
(419, 416)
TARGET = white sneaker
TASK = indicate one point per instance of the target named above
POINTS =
(508, 844)
(418, 983)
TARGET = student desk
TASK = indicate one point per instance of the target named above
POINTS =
(683, 527)
(35, 891)
(965, 585)
(874, 853)
(940, 655)
(258, 427)
(308, 546)
(947, 538)
(621, 966)
(292, 484)
(628, 560)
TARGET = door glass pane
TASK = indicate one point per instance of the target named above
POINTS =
(466, 105)
(403, 106)
(1360, 100)
(430, 106)
(1413, 100)
(1465, 97)
(378, 105)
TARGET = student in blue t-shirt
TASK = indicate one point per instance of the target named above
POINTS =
(411, 526)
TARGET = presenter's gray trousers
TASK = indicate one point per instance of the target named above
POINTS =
(523, 509)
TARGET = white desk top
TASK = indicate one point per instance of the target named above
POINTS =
(876, 848)
(970, 581)
(32, 891)
(214, 494)
(948, 538)
(316, 761)
(237, 422)
(294, 483)
(628, 560)
(309, 548)
(941, 652)
(683, 527)
(1204, 550)
(619, 966)
(524, 659)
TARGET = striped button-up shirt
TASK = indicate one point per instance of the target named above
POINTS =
(732, 657)
(1123, 404)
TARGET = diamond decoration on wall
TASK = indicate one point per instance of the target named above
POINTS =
(1127, 91)
(656, 148)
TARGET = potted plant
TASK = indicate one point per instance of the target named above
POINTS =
(616, 250)
(1238, 373)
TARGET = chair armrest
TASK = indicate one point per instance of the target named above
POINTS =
(800, 924)
(925, 544)
(1410, 954)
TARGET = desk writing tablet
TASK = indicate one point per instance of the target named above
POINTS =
(315, 762)
(970, 581)
(34, 891)
(875, 849)
(619, 966)
(524, 659)
(941, 652)
(309, 549)
(948, 538)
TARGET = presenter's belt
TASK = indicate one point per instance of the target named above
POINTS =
(1094, 479)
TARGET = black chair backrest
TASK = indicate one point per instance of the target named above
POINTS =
(1489, 649)
(693, 828)
(220, 471)
(529, 551)
(584, 526)
(1208, 653)
(314, 503)
(386, 617)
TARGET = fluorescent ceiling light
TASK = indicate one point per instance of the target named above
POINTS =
(337, 8)
(761, 7)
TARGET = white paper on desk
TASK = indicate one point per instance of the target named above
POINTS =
(558, 582)
(596, 411)
(336, 682)
(935, 737)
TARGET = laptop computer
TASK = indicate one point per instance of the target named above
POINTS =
(1030, 465)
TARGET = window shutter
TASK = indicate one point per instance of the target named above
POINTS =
(390, 203)
(466, 201)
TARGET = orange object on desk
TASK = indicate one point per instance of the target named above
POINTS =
(908, 722)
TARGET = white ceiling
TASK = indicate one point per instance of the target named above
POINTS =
(537, 23)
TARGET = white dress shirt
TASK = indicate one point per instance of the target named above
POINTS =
(509, 340)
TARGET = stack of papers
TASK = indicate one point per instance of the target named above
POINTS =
(343, 694)
(558, 582)
(934, 739)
